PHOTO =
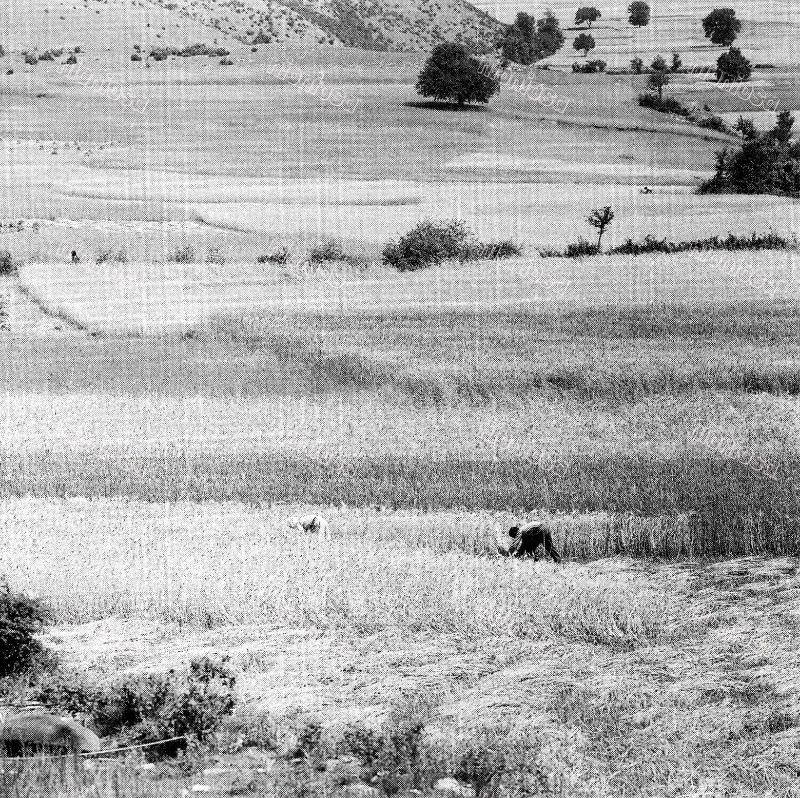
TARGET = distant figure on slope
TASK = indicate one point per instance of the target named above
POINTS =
(75, 258)
(526, 539)
(314, 524)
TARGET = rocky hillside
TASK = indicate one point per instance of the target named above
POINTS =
(371, 24)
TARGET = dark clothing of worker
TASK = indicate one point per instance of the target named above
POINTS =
(527, 539)
(75, 258)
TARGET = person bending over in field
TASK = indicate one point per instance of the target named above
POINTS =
(315, 524)
(527, 538)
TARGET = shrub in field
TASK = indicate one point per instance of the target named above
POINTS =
(31, 59)
(637, 65)
(733, 67)
(596, 65)
(7, 265)
(111, 256)
(392, 757)
(579, 249)
(150, 707)
(429, 243)
(21, 619)
(667, 105)
(215, 256)
(279, 256)
(136, 57)
(184, 254)
(713, 122)
(491, 250)
(329, 250)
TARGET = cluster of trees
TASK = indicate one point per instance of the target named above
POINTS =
(766, 163)
(528, 40)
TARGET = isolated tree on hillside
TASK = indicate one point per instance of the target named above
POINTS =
(784, 124)
(549, 38)
(451, 73)
(587, 14)
(733, 67)
(637, 65)
(677, 63)
(585, 42)
(722, 26)
(639, 13)
(518, 42)
(659, 76)
(600, 218)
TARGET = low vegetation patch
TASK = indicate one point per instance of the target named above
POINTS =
(589, 67)
(669, 105)
(21, 620)
(432, 242)
(650, 244)
(7, 265)
(279, 256)
(732, 243)
(162, 53)
(150, 707)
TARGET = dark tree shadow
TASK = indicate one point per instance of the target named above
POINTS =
(437, 105)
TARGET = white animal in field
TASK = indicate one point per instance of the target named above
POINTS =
(314, 524)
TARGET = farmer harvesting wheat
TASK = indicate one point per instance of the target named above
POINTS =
(526, 539)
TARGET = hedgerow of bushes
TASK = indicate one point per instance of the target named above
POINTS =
(669, 105)
(651, 244)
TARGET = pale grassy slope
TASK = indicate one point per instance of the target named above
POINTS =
(145, 298)
(105, 30)
(374, 24)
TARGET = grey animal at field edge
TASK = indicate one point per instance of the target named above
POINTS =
(314, 524)
(37, 731)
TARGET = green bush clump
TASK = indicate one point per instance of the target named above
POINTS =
(148, 708)
(279, 256)
(21, 619)
(111, 256)
(667, 105)
(184, 254)
(489, 250)
(589, 67)
(429, 243)
(579, 249)
(329, 250)
(7, 265)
